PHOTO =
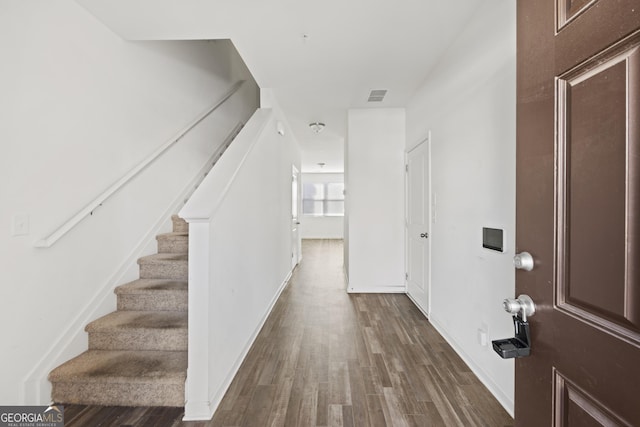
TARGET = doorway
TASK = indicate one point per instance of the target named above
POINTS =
(296, 251)
(418, 214)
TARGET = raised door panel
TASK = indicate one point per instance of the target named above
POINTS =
(598, 191)
(573, 407)
(417, 262)
(569, 10)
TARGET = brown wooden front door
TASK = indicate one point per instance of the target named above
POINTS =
(578, 211)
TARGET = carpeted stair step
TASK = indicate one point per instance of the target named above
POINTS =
(164, 266)
(139, 330)
(137, 355)
(179, 224)
(153, 295)
(122, 378)
(177, 243)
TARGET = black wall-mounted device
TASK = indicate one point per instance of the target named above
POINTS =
(493, 238)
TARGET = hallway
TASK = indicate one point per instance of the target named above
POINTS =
(327, 358)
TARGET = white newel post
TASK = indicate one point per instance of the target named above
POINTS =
(198, 405)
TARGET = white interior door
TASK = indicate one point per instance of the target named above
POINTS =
(417, 225)
(296, 254)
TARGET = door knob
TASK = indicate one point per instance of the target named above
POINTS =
(520, 344)
(523, 261)
(523, 304)
(424, 235)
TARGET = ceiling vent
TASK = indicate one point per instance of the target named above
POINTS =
(377, 95)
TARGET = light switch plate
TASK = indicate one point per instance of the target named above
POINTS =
(483, 334)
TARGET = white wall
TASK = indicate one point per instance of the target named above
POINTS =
(321, 227)
(239, 255)
(468, 103)
(375, 199)
(79, 107)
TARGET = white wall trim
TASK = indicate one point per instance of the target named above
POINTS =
(35, 387)
(485, 379)
(204, 410)
(391, 289)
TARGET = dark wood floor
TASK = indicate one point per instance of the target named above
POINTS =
(326, 358)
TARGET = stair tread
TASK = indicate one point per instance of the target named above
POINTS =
(163, 258)
(140, 320)
(118, 366)
(152, 286)
(179, 224)
(173, 235)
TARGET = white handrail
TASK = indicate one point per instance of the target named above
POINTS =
(87, 210)
(204, 202)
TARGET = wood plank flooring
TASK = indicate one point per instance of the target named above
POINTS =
(326, 358)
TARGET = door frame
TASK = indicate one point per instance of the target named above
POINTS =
(296, 240)
(430, 219)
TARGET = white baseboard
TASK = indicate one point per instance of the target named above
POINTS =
(418, 306)
(504, 400)
(203, 411)
(198, 411)
(35, 388)
(393, 289)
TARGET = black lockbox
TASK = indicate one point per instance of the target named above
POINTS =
(518, 346)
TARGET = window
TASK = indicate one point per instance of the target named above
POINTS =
(323, 199)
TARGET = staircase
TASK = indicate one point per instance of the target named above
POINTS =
(138, 354)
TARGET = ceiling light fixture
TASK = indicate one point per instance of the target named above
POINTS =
(316, 127)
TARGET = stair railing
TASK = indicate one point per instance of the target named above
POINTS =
(216, 156)
(114, 188)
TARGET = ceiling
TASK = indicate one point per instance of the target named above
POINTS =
(319, 58)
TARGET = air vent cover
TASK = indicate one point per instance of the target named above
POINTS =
(377, 95)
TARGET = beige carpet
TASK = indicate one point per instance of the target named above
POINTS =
(138, 354)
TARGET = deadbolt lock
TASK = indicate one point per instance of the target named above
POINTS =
(523, 261)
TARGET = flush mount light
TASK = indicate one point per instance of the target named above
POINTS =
(316, 127)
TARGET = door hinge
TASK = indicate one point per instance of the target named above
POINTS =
(406, 168)
(406, 276)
